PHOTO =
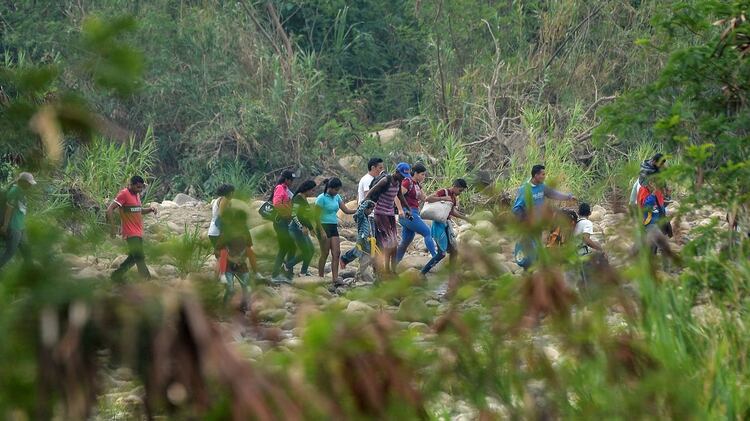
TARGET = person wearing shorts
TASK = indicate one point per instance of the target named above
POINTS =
(329, 203)
(384, 194)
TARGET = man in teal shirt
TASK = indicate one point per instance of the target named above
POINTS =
(537, 194)
(14, 218)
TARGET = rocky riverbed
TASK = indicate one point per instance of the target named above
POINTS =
(279, 312)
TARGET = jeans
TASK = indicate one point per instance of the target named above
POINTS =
(409, 228)
(441, 232)
(135, 257)
(15, 241)
(286, 246)
(242, 278)
(305, 246)
(351, 255)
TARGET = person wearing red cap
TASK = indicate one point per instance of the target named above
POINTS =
(14, 218)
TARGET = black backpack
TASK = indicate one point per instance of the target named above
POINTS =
(375, 196)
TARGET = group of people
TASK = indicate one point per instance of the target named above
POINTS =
(649, 199)
(384, 201)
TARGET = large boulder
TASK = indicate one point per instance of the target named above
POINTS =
(386, 136)
(181, 199)
(344, 219)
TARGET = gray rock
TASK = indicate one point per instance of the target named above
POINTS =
(182, 199)
(358, 307)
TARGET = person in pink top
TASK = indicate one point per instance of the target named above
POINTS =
(282, 203)
(128, 202)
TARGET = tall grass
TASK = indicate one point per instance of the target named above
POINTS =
(235, 173)
(552, 147)
(103, 167)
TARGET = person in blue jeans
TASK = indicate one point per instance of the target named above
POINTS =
(442, 232)
(412, 190)
(304, 222)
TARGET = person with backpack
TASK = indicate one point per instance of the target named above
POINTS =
(282, 204)
(386, 188)
(653, 213)
(218, 206)
(412, 191)
(128, 203)
(649, 167)
(304, 222)
(375, 167)
(330, 202)
(14, 217)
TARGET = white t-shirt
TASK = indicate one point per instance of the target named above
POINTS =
(583, 226)
(364, 187)
(213, 229)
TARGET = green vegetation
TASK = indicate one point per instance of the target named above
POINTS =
(193, 94)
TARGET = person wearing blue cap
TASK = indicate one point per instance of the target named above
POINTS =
(384, 194)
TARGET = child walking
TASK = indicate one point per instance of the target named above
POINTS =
(366, 245)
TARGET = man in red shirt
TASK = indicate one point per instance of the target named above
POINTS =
(128, 201)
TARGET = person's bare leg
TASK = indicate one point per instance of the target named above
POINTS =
(335, 255)
(324, 247)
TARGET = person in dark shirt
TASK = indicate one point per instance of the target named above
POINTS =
(304, 222)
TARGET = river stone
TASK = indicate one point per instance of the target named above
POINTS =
(413, 309)
(248, 350)
(181, 199)
(344, 219)
(358, 307)
(413, 262)
(419, 327)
